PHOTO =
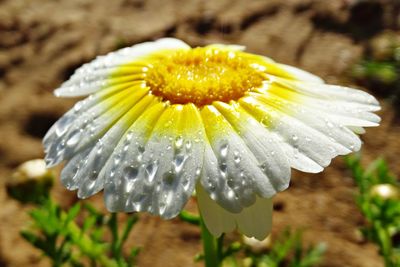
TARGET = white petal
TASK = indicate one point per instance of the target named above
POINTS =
(94, 76)
(331, 92)
(231, 173)
(121, 171)
(68, 174)
(254, 221)
(312, 118)
(312, 143)
(166, 169)
(262, 143)
(342, 110)
(300, 75)
(356, 129)
(79, 109)
(91, 125)
(83, 169)
(216, 219)
(103, 149)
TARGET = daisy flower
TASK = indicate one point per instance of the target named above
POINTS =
(164, 120)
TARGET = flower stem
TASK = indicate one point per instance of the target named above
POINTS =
(212, 247)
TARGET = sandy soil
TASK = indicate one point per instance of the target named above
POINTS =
(43, 41)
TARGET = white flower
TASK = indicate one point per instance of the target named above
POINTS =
(164, 119)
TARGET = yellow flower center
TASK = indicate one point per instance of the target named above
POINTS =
(203, 75)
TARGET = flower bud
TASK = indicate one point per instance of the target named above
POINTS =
(257, 246)
(31, 182)
(385, 191)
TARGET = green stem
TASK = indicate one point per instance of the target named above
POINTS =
(212, 247)
(189, 217)
(220, 247)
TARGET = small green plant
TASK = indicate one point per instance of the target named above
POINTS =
(287, 251)
(67, 243)
(379, 69)
(379, 201)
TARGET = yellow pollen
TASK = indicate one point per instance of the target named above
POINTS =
(203, 75)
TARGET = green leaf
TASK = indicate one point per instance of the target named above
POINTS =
(72, 213)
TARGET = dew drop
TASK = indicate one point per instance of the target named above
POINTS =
(117, 158)
(129, 136)
(231, 194)
(179, 161)
(236, 157)
(178, 142)
(131, 173)
(151, 171)
(99, 148)
(78, 106)
(223, 169)
(295, 138)
(93, 175)
(198, 171)
(62, 125)
(188, 145)
(211, 186)
(140, 153)
(60, 147)
(89, 185)
(169, 178)
(186, 183)
(265, 121)
(224, 150)
(74, 138)
(230, 182)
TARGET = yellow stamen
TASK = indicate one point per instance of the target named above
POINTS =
(202, 75)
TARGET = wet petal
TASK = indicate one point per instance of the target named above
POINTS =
(94, 76)
(82, 131)
(254, 221)
(169, 165)
(231, 173)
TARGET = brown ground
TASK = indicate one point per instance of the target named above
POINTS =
(43, 41)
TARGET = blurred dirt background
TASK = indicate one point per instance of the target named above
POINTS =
(43, 41)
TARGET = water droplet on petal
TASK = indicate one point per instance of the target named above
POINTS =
(188, 145)
(198, 171)
(151, 171)
(178, 142)
(131, 173)
(224, 150)
(223, 169)
(74, 138)
(179, 161)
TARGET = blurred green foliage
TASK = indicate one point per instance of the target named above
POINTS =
(379, 201)
(67, 243)
(379, 70)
